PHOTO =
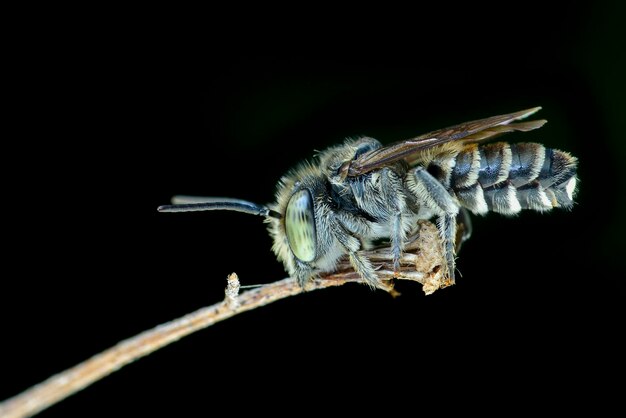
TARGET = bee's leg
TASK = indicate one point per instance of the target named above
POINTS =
(435, 196)
(397, 241)
(360, 263)
(463, 228)
(303, 273)
(394, 196)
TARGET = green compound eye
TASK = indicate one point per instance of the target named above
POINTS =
(300, 225)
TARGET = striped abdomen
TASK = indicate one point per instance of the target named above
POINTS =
(507, 178)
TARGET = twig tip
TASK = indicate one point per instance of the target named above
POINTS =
(232, 290)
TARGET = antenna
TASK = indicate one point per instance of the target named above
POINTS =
(199, 204)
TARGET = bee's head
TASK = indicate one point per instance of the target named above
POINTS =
(297, 217)
(297, 221)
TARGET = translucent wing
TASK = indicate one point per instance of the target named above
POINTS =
(474, 131)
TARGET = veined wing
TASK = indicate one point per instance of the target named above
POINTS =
(474, 131)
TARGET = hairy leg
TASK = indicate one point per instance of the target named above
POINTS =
(434, 195)
(393, 191)
(360, 263)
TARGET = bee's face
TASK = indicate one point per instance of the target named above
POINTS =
(297, 191)
(303, 235)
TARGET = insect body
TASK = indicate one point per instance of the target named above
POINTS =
(362, 191)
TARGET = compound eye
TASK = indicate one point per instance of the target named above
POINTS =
(300, 225)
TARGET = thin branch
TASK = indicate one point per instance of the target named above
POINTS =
(420, 262)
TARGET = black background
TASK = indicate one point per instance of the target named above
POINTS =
(115, 126)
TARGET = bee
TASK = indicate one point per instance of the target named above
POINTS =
(361, 192)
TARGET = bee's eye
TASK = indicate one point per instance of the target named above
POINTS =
(300, 225)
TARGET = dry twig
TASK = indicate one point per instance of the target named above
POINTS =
(421, 262)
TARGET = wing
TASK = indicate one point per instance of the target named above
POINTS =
(474, 131)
